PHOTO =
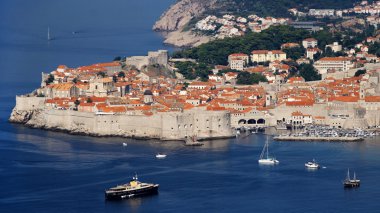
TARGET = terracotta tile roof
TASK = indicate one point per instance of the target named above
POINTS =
(372, 99)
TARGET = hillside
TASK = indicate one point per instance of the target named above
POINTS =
(279, 8)
(176, 19)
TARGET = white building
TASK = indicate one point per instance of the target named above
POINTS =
(333, 63)
(267, 55)
(321, 12)
(309, 43)
(238, 61)
(335, 47)
(310, 52)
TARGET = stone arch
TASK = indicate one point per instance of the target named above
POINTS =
(252, 121)
(242, 121)
(261, 121)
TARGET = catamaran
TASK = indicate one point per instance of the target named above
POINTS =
(264, 157)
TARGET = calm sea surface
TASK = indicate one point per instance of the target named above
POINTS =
(42, 171)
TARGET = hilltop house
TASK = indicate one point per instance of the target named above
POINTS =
(238, 61)
(310, 43)
(267, 55)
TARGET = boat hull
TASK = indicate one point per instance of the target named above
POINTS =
(351, 184)
(132, 193)
(268, 162)
(312, 166)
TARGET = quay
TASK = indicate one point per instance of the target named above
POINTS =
(320, 138)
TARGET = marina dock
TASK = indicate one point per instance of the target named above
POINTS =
(319, 138)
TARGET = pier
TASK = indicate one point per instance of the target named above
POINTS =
(320, 138)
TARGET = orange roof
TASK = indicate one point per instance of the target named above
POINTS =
(297, 113)
(267, 52)
(335, 59)
(372, 99)
(345, 98)
(310, 39)
(300, 103)
(238, 55)
(108, 64)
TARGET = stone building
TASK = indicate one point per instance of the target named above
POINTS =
(267, 55)
(154, 57)
(238, 61)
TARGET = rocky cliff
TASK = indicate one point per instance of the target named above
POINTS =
(176, 18)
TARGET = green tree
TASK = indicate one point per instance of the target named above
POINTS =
(76, 102)
(374, 49)
(295, 52)
(246, 78)
(102, 74)
(121, 74)
(360, 72)
(89, 100)
(50, 79)
(309, 73)
(192, 70)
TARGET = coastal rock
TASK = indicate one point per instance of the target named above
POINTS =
(180, 13)
(21, 116)
(177, 17)
(185, 39)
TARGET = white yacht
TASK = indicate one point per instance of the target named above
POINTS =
(160, 156)
(312, 165)
(264, 157)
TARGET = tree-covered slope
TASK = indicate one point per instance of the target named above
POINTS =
(278, 8)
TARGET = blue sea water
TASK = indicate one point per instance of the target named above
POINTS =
(43, 171)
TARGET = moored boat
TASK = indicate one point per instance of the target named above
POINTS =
(264, 157)
(134, 188)
(351, 183)
(312, 165)
(160, 156)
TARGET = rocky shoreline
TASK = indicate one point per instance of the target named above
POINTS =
(78, 133)
(177, 17)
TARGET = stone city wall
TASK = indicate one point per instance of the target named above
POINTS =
(166, 126)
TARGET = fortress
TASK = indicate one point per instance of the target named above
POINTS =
(203, 124)
(154, 57)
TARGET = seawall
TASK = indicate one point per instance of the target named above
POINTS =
(31, 112)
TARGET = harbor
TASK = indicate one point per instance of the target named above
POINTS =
(325, 134)
(314, 138)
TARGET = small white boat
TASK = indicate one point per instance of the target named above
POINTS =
(125, 144)
(264, 157)
(312, 165)
(160, 156)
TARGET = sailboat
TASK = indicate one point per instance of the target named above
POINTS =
(351, 183)
(48, 35)
(264, 157)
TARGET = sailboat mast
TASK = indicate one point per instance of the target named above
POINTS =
(48, 34)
